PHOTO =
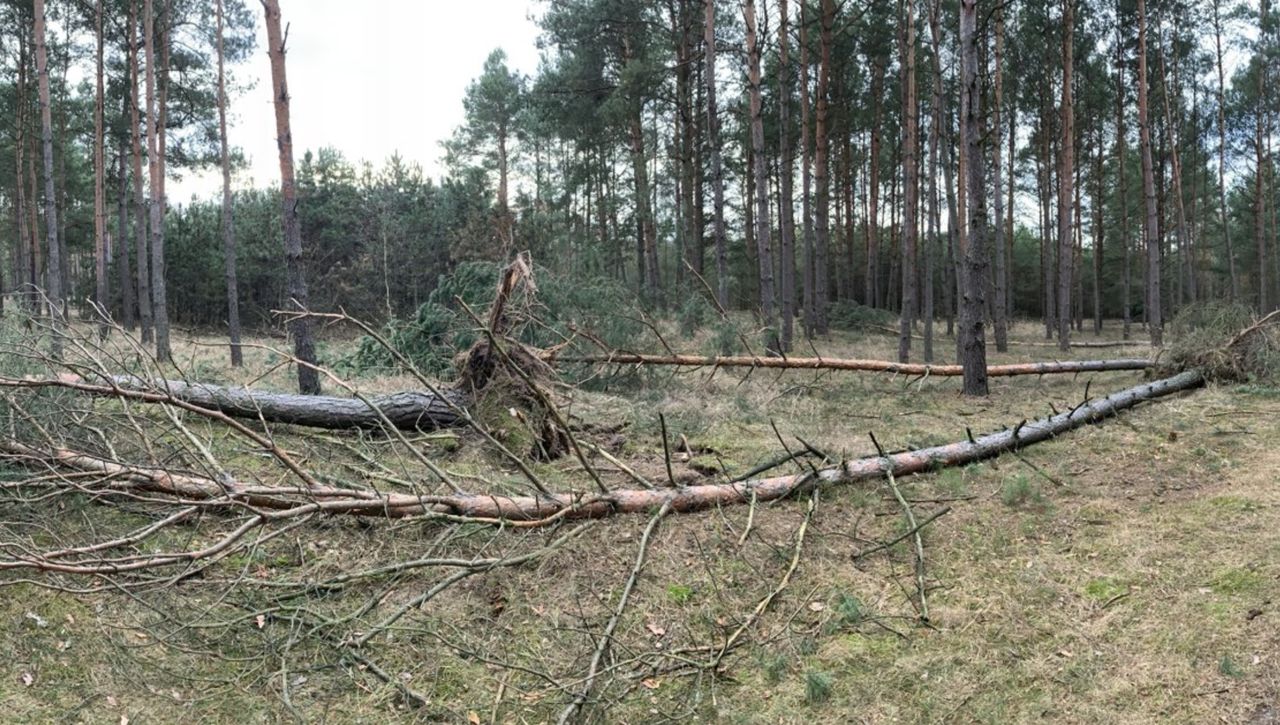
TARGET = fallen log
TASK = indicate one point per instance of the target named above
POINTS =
(409, 410)
(541, 510)
(1031, 343)
(885, 366)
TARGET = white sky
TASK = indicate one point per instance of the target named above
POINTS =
(369, 78)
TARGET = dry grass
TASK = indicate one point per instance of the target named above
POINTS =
(1111, 576)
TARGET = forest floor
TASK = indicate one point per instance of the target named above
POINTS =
(1126, 572)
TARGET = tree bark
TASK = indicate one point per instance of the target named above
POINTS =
(26, 261)
(54, 284)
(143, 256)
(124, 268)
(101, 293)
(786, 181)
(228, 211)
(1066, 175)
(159, 291)
(408, 410)
(764, 247)
(973, 345)
(910, 182)
(872, 285)
(1152, 232)
(1186, 259)
(1222, 158)
(295, 270)
(717, 163)
(821, 166)
(1000, 322)
(1122, 182)
(806, 168)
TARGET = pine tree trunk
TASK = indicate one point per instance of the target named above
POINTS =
(910, 183)
(1222, 158)
(872, 291)
(295, 271)
(143, 256)
(123, 266)
(228, 211)
(786, 182)
(54, 282)
(25, 260)
(1098, 235)
(1122, 181)
(1000, 322)
(1066, 173)
(973, 347)
(764, 248)
(1185, 258)
(806, 167)
(1148, 187)
(1152, 232)
(159, 296)
(821, 165)
(717, 163)
(101, 293)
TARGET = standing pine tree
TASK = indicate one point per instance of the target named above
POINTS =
(295, 272)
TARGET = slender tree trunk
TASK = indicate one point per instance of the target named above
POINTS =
(717, 163)
(143, 255)
(26, 261)
(648, 234)
(1154, 321)
(973, 347)
(1066, 173)
(295, 270)
(123, 266)
(821, 176)
(786, 181)
(948, 270)
(1222, 158)
(1259, 203)
(1122, 182)
(764, 248)
(806, 166)
(102, 295)
(39, 270)
(872, 291)
(54, 284)
(934, 219)
(910, 181)
(228, 211)
(159, 301)
(1098, 234)
(1185, 260)
(1000, 322)
(1009, 211)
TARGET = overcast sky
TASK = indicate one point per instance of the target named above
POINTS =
(369, 78)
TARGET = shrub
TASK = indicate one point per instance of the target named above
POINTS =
(849, 315)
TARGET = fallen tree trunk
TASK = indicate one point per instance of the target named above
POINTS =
(541, 510)
(408, 410)
(1031, 343)
(821, 363)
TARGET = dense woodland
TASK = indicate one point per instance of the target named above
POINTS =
(1074, 161)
